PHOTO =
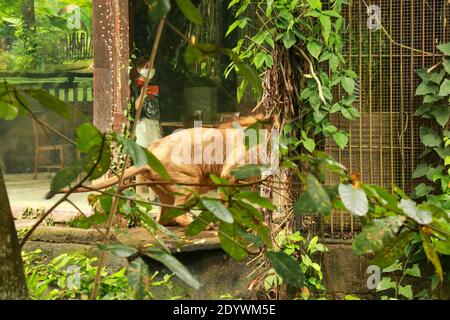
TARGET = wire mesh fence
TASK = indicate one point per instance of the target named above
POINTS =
(385, 42)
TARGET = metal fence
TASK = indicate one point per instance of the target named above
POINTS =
(78, 46)
(386, 41)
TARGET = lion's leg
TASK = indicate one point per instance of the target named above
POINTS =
(185, 219)
(165, 197)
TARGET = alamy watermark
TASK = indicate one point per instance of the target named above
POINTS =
(74, 19)
(73, 277)
(373, 281)
(374, 20)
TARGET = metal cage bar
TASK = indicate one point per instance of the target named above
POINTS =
(384, 144)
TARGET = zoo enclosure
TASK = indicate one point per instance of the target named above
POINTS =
(385, 42)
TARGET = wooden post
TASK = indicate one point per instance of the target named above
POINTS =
(111, 54)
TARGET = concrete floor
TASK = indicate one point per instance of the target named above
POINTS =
(24, 192)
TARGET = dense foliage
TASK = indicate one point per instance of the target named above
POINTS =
(71, 276)
(35, 32)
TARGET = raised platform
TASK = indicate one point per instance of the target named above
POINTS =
(25, 193)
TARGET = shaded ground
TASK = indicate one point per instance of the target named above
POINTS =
(24, 192)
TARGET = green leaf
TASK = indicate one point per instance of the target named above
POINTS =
(423, 74)
(200, 223)
(193, 55)
(268, 59)
(395, 266)
(287, 268)
(429, 98)
(437, 77)
(422, 190)
(118, 249)
(314, 48)
(445, 88)
(230, 243)
(443, 152)
(87, 137)
(85, 164)
(426, 88)
(175, 266)
(249, 74)
(442, 115)
(429, 137)
(421, 170)
(189, 11)
(238, 23)
(135, 151)
(332, 13)
(386, 283)
(248, 171)
(218, 209)
(443, 247)
(154, 163)
(334, 62)
(103, 164)
(289, 40)
(141, 156)
(431, 254)
(304, 205)
(386, 198)
(406, 291)
(158, 8)
(444, 48)
(412, 211)
(317, 200)
(348, 84)
(250, 238)
(309, 144)
(325, 21)
(341, 138)
(414, 271)
(88, 222)
(315, 4)
(259, 59)
(138, 275)
(377, 234)
(48, 101)
(354, 200)
(255, 198)
(446, 65)
(8, 111)
(393, 250)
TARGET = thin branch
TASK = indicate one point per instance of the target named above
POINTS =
(64, 198)
(401, 45)
(159, 204)
(311, 68)
(43, 124)
(85, 215)
(151, 183)
(177, 31)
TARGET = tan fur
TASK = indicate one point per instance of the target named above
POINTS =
(173, 194)
(243, 121)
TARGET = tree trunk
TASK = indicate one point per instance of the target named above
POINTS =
(28, 14)
(12, 278)
(29, 32)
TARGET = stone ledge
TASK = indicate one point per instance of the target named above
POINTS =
(66, 235)
(206, 240)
